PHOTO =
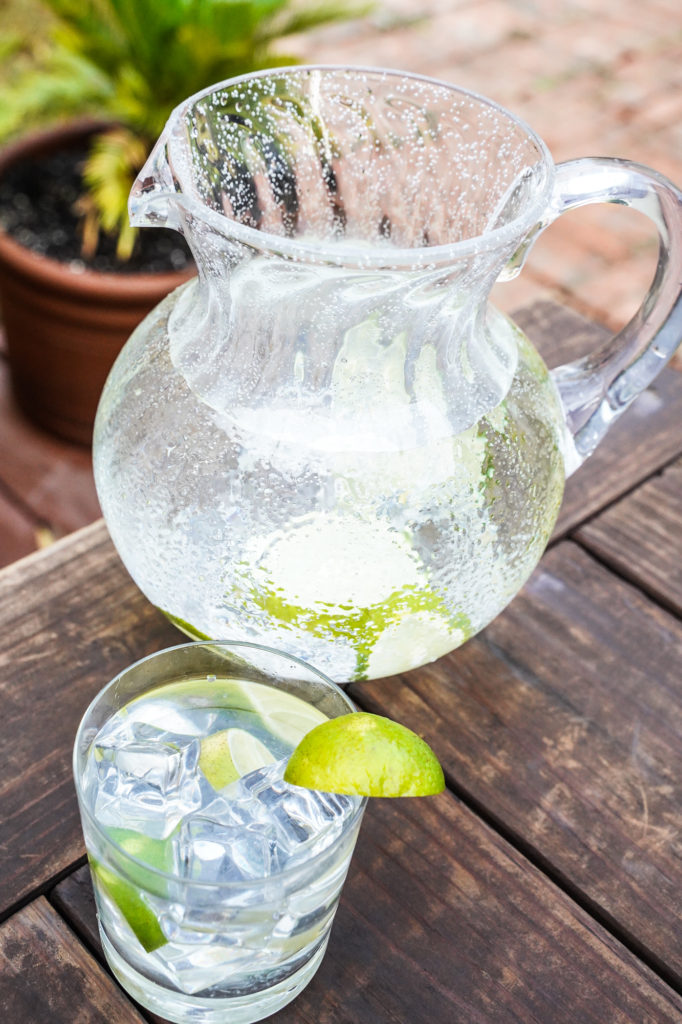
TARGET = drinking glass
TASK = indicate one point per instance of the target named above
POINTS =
(212, 905)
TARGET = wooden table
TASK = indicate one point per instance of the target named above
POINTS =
(545, 885)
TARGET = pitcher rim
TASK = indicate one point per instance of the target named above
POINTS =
(353, 255)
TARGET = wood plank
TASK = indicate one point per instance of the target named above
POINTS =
(645, 438)
(74, 898)
(70, 619)
(48, 977)
(563, 720)
(560, 334)
(442, 921)
(51, 478)
(641, 536)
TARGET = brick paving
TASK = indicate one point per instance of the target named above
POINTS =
(592, 77)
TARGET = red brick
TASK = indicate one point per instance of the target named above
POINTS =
(614, 295)
(522, 291)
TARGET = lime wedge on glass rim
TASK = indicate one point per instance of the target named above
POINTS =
(362, 754)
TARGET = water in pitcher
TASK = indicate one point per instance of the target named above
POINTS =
(293, 524)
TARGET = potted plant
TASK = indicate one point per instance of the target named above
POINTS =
(74, 278)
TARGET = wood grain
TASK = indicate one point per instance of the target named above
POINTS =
(47, 976)
(559, 334)
(641, 536)
(442, 921)
(74, 898)
(640, 443)
(70, 619)
(562, 722)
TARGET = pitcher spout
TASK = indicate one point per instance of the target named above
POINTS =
(153, 200)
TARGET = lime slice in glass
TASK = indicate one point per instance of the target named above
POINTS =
(227, 755)
(285, 715)
(140, 917)
(126, 892)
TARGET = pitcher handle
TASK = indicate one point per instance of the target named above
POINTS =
(597, 388)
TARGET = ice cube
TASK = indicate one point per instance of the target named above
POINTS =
(302, 818)
(211, 851)
(167, 715)
(145, 778)
(257, 827)
(196, 969)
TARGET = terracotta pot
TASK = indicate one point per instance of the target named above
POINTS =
(65, 328)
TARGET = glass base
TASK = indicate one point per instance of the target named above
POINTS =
(185, 1009)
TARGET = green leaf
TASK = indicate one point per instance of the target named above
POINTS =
(133, 61)
(112, 165)
(10, 44)
(68, 86)
(312, 16)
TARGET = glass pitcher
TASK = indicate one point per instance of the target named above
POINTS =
(330, 441)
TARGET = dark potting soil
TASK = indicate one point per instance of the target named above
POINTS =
(37, 209)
